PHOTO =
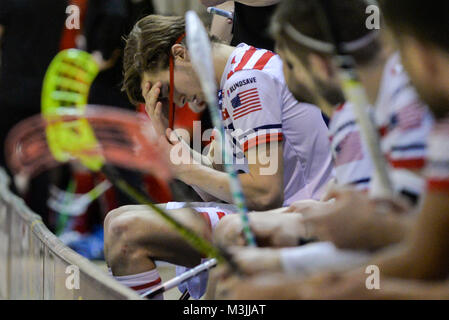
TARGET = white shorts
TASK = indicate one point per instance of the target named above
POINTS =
(212, 213)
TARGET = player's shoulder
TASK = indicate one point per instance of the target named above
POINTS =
(396, 85)
(247, 59)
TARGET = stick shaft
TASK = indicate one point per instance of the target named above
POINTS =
(181, 279)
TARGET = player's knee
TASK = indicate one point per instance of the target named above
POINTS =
(118, 212)
(120, 240)
(228, 231)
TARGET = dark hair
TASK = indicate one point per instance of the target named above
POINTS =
(304, 16)
(426, 20)
(148, 48)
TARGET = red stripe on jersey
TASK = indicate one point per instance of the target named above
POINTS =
(260, 64)
(438, 185)
(246, 56)
(225, 114)
(207, 218)
(266, 138)
(417, 163)
(147, 285)
(250, 99)
(340, 107)
(383, 131)
(249, 91)
(220, 215)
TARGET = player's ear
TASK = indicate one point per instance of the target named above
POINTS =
(320, 66)
(180, 52)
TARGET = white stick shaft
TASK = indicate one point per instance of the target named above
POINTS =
(182, 278)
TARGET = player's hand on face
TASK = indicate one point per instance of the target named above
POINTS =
(153, 106)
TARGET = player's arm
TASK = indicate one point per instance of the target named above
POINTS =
(221, 27)
(262, 185)
(252, 110)
(425, 254)
(368, 225)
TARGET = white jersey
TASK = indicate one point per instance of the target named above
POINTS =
(352, 163)
(437, 160)
(257, 108)
(404, 124)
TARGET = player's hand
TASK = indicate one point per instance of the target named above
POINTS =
(265, 286)
(271, 229)
(178, 152)
(153, 107)
(308, 207)
(215, 151)
(350, 222)
(278, 286)
(252, 261)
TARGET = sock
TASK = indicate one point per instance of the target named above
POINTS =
(142, 282)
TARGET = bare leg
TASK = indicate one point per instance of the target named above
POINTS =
(135, 237)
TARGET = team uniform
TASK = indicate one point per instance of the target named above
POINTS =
(352, 164)
(258, 108)
(404, 124)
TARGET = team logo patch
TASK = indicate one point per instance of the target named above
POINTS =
(349, 149)
(246, 102)
(409, 117)
(241, 83)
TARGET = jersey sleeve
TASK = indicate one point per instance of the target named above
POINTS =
(437, 164)
(252, 102)
(407, 130)
(352, 163)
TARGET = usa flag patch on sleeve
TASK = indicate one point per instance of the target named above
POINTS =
(245, 103)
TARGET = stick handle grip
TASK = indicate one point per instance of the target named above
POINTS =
(220, 12)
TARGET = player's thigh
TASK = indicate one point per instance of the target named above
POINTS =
(146, 229)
